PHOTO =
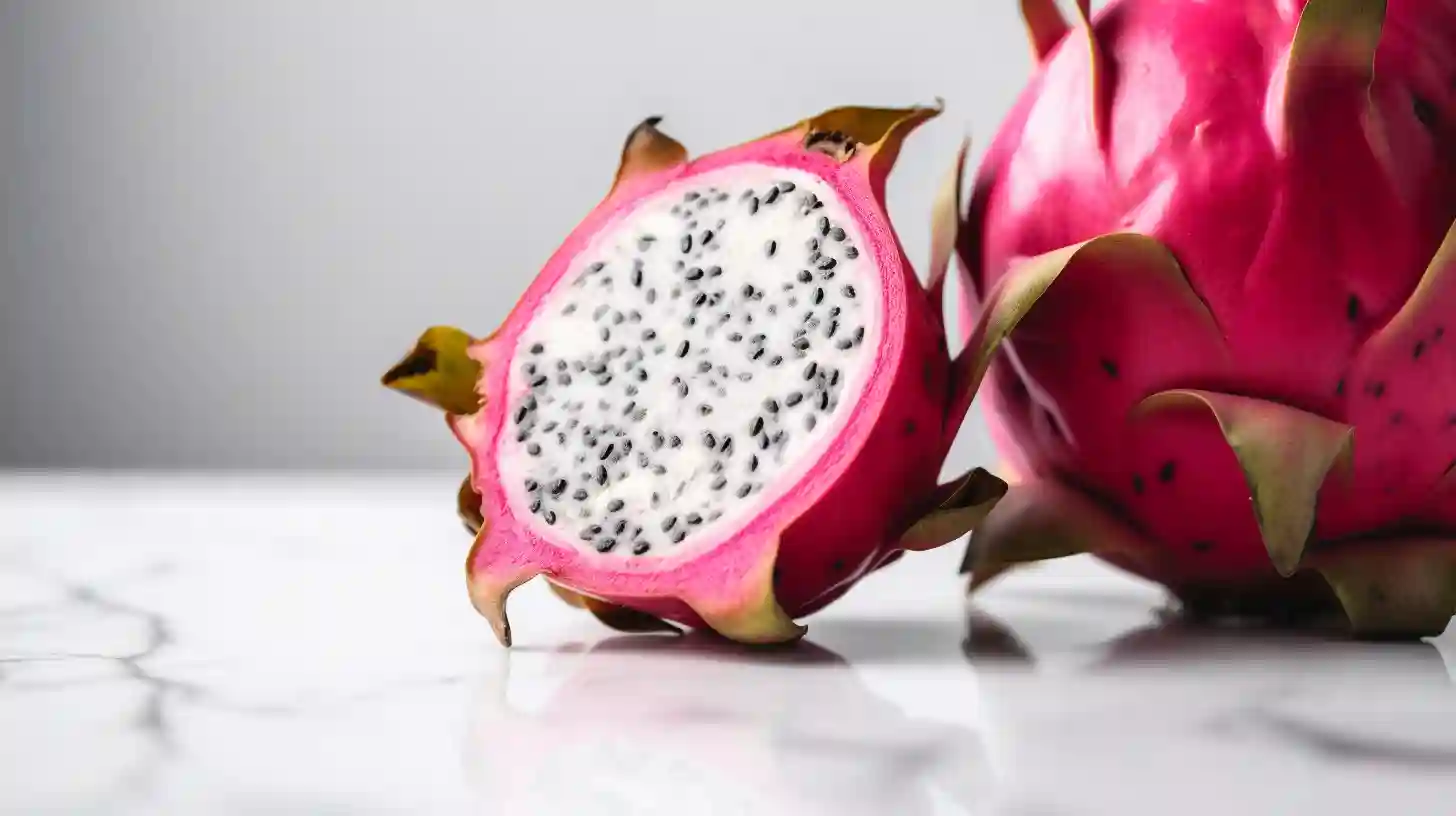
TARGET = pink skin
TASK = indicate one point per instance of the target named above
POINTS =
(831, 527)
(1301, 239)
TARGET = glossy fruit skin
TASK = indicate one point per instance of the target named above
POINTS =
(1303, 219)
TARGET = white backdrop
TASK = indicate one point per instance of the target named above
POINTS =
(220, 222)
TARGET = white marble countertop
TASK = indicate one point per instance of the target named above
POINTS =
(303, 645)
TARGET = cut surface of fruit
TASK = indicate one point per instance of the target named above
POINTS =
(696, 357)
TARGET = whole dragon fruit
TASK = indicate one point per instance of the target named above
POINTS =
(724, 399)
(1218, 240)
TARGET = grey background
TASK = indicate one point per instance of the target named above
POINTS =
(220, 222)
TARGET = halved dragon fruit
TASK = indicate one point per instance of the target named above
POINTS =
(722, 402)
(1220, 239)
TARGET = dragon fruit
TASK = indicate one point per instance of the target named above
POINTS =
(1217, 239)
(724, 399)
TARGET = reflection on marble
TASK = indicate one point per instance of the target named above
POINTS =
(297, 645)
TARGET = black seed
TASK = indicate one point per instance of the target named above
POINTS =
(825, 264)
(521, 414)
(793, 399)
(836, 234)
(588, 533)
(719, 483)
(580, 495)
(755, 426)
(1352, 308)
(698, 300)
(651, 295)
(809, 420)
(558, 487)
(674, 441)
(605, 452)
(606, 334)
(694, 274)
(549, 517)
(563, 379)
(709, 441)
(539, 381)
(753, 206)
(614, 505)
(707, 237)
(596, 267)
(601, 474)
(744, 490)
(535, 506)
(622, 525)
(831, 328)
(682, 390)
(815, 256)
(834, 311)
(818, 295)
(691, 195)
(533, 449)
(1137, 485)
(834, 378)
(734, 337)
(570, 307)
(605, 544)
(668, 523)
(823, 225)
(858, 335)
(823, 400)
(537, 348)
(770, 248)
(532, 486)
(786, 186)
(771, 196)
(848, 291)
(851, 253)
(659, 470)
(641, 548)
(802, 344)
(705, 409)
(771, 406)
(686, 244)
(605, 379)
(704, 367)
(757, 354)
(845, 344)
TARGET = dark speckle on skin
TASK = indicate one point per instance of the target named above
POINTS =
(1110, 367)
(1137, 485)
(1375, 389)
(1425, 111)
(1419, 349)
(1167, 471)
(1340, 388)
(838, 565)
(1202, 546)
(1397, 418)
(1352, 308)
(909, 427)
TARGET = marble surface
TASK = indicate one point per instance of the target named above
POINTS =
(303, 645)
